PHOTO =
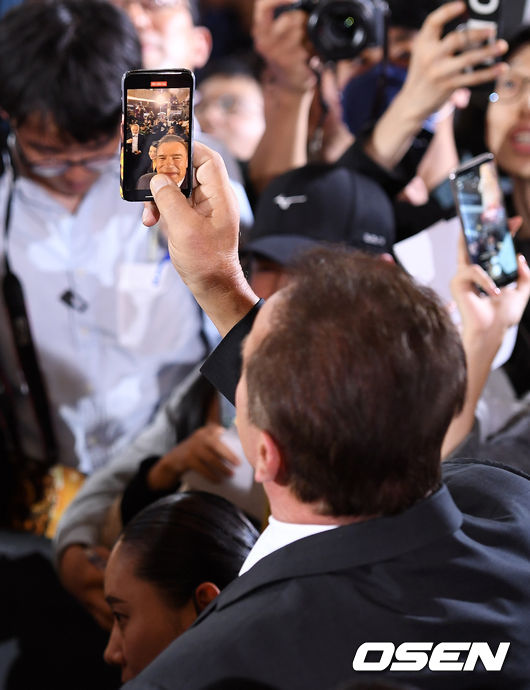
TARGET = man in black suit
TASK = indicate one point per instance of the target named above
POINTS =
(351, 375)
(136, 151)
(159, 129)
(136, 140)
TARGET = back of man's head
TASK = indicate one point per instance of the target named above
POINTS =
(64, 61)
(357, 382)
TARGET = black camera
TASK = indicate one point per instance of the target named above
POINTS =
(341, 29)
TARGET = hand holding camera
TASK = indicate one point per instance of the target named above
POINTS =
(284, 45)
(342, 29)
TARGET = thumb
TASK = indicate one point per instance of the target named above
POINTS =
(170, 201)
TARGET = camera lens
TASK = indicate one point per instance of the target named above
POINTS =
(340, 28)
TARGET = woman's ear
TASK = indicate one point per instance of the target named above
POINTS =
(204, 594)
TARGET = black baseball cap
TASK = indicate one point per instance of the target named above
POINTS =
(320, 203)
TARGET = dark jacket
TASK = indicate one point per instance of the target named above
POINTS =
(452, 568)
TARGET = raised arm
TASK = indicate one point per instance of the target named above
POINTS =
(439, 66)
(203, 237)
(289, 87)
(485, 320)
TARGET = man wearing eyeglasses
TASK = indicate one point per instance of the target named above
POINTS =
(113, 330)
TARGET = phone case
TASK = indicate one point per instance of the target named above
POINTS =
(157, 136)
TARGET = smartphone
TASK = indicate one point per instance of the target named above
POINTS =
(480, 204)
(157, 134)
(479, 15)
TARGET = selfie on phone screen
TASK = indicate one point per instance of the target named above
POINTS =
(481, 207)
(157, 131)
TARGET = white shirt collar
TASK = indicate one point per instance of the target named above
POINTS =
(276, 535)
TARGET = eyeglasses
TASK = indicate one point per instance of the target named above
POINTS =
(54, 168)
(509, 87)
(153, 5)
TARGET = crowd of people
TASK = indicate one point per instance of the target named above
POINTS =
(158, 135)
(292, 451)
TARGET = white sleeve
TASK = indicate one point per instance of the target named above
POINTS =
(84, 519)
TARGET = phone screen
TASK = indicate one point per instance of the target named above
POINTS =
(481, 208)
(157, 130)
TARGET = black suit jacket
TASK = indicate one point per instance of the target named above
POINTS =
(141, 144)
(453, 568)
(435, 573)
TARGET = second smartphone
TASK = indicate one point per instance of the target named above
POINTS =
(157, 130)
(480, 205)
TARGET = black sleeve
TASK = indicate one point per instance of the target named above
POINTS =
(223, 366)
(137, 495)
(392, 181)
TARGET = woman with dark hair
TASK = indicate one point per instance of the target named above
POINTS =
(508, 138)
(169, 563)
(508, 124)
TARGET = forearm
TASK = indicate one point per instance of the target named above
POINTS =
(84, 520)
(394, 132)
(141, 491)
(284, 143)
(226, 300)
(480, 350)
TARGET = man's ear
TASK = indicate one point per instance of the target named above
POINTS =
(269, 461)
(204, 594)
(202, 46)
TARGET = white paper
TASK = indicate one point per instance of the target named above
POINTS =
(240, 488)
(431, 257)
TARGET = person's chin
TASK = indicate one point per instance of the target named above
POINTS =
(127, 674)
(514, 162)
(151, 55)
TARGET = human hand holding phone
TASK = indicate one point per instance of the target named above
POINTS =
(490, 310)
(441, 64)
(203, 238)
(480, 205)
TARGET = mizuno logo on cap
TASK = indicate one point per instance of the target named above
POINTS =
(285, 202)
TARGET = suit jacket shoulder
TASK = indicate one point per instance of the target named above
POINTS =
(432, 573)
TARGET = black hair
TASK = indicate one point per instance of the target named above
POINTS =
(64, 61)
(188, 538)
(411, 13)
(249, 65)
(519, 40)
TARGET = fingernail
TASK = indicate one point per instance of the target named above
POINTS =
(157, 182)
(145, 216)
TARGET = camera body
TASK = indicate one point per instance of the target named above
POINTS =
(341, 29)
